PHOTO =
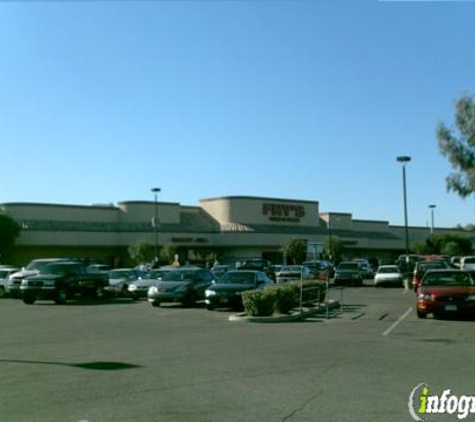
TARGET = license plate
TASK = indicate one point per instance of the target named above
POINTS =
(450, 307)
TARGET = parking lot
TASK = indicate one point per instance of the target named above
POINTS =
(121, 360)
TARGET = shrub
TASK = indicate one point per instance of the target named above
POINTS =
(314, 290)
(259, 302)
(287, 297)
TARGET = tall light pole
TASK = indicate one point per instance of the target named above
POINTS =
(155, 191)
(404, 159)
(432, 207)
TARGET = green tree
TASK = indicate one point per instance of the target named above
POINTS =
(167, 254)
(9, 231)
(419, 248)
(452, 248)
(295, 250)
(141, 252)
(448, 244)
(334, 248)
(458, 146)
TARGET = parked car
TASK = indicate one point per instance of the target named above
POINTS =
(423, 266)
(292, 272)
(185, 285)
(5, 272)
(99, 268)
(348, 272)
(321, 268)
(227, 291)
(138, 289)
(35, 267)
(61, 281)
(120, 279)
(388, 275)
(448, 291)
(366, 267)
(259, 265)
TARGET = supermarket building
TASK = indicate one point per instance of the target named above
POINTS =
(231, 227)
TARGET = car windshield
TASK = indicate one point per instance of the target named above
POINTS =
(238, 277)
(431, 266)
(447, 279)
(59, 269)
(179, 276)
(348, 266)
(386, 270)
(251, 265)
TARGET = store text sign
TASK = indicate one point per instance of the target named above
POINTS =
(283, 212)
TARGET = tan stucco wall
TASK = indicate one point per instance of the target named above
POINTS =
(249, 210)
(143, 211)
(26, 211)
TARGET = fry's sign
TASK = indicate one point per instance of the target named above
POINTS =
(283, 212)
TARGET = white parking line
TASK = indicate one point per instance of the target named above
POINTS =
(395, 324)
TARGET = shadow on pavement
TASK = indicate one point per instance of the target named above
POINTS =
(101, 366)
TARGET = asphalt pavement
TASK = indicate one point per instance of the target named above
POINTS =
(122, 360)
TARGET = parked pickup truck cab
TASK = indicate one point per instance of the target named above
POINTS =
(61, 281)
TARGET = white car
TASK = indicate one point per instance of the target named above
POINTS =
(5, 272)
(388, 275)
(120, 279)
(291, 273)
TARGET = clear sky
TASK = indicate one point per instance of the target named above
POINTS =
(301, 99)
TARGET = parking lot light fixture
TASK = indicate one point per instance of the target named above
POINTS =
(432, 207)
(404, 159)
(155, 223)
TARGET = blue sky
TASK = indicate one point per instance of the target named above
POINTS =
(309, 99)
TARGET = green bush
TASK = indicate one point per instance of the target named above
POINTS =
(259, 302)
(314, 290)
(287, 297)
(282, 298)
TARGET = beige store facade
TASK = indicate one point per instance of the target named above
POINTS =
(231, 227)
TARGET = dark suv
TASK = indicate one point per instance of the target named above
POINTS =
(349, 272)
(259, 265)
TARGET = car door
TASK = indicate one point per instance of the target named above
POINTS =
(201, 281)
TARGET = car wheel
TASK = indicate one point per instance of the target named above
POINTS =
(99, 293)
(156, 304)
(2, 292)
(421, 315)
(61, 297)
(29, 298)
(210, 307)
(124, 292)
(135, 297)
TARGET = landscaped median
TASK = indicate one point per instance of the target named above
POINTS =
(282, 302)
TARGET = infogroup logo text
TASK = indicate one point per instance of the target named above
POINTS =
(423, 402)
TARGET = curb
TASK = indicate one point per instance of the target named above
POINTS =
(295, 316)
